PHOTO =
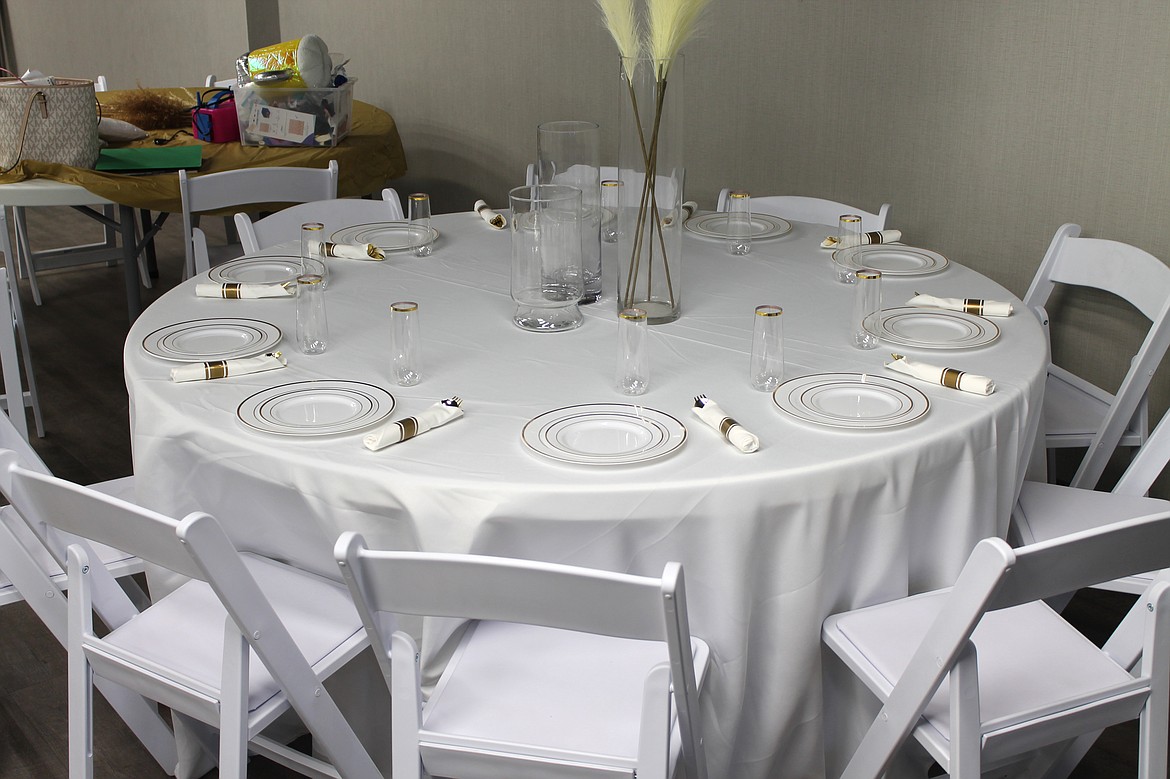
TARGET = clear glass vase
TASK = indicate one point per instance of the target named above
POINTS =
(650, 158)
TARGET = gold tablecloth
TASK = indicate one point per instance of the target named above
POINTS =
(369, 156)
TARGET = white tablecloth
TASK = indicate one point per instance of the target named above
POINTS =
(817, 521)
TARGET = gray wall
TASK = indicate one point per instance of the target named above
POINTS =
(985, 123)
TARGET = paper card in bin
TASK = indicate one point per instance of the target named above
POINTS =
(281, 123)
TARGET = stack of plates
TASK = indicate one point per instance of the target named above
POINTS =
(604, 434)
(856, 401)
(715, 226)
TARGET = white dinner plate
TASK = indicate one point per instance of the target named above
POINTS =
(856, 401)
(715, 226)
(932, 328)
(893, 260)
(316, 408)
(387, 236)
(257, 270)
(201, 340)
(604, 434)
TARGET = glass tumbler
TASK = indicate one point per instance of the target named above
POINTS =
(569, 153)
(848, 247)
(419, 206)
(313, 253)
(633, 368)
(546, 257)
(739, 223)
(312, 326)
(404, 345)
(867, 309)
(767, 365)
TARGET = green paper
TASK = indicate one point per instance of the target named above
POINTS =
(143, 159)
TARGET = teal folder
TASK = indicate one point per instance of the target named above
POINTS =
(144, 159)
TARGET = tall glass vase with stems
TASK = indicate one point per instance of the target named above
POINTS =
(650, 158)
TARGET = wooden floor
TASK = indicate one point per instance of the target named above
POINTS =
(77, 340)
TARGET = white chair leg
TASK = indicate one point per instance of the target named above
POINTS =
(233, 710)
(79, 672)
(24, 252)
(966, 730)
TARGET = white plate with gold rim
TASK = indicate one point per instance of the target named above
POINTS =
(604, 434)
(764, 226)
(856, 401)
(201, 340)
(387, 236)
(276, 269)
(932, 328)
(892, 260)
(316, 408)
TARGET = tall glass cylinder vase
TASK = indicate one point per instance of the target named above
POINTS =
(650, 158)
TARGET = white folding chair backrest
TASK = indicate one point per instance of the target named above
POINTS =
(605, 172)
(285, 225)
(999, 577)
(198, 548)
(1144, 282)
(250, 186)
(810, 209)
(386, 583)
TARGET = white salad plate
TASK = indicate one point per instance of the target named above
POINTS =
(201, 340)
(932, 328)
(892, 260)
(604, 434)
(257, 270)
(316, 408)
(387, 236)
(856, 401)
(715, 226)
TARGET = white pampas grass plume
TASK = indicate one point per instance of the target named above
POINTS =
(671, 23)
(622, 24)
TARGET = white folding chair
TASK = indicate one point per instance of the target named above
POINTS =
(250, 186)
(986, 675)
(1078, 413)
(1046, 511)
(605, 172)
(285, 225)
(16, 398)
(565, 672)
(810, 209)
(237, 645)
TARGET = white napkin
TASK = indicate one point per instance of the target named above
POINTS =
(493, 218)
(347, 251)
(947, 377)
(221, 369)
(969, 305)
(874, 237)
(404, 429)
(733, 432)
(238, 290)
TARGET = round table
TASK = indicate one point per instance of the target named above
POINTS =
(817, 521)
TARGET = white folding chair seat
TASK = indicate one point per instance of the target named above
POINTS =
(235, 647)
(810, 209)
(574, 682)
(249, 186)
(986, 675)
(285, 225)
(1078, 414)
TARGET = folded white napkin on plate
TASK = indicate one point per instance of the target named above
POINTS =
(347, 251)
(874, 237)
(221, 369)
(494, 218)
(238, 290)
(969, 305)
(947, 377)
(404, 429)
(733, 432)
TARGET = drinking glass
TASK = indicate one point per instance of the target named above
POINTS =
(419, 205)
(767, 365)
(546, 257)
(312, 326)
(404, 346)
(611, 201)
(848, 247)
(739, 223)
(569, 153)
(313, 253)
(867, 308)
(633, 368)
